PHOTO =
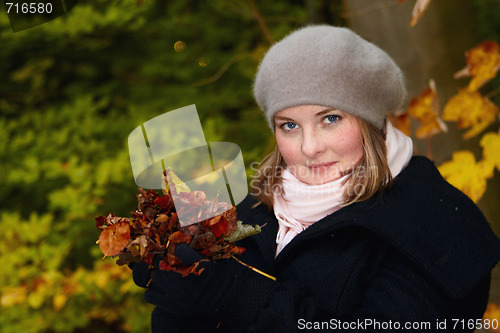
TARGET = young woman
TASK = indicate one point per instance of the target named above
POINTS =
(360, 235)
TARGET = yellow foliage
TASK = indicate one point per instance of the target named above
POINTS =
(492, 312)
(13, 295)
(59, 300)
(401, 122)
(491, 149)
(425, 109)
(483, 62)
(470, 109)
(466, 174)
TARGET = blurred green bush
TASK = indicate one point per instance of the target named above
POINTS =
(71, 92)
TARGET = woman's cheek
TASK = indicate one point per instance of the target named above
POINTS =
(287, 150)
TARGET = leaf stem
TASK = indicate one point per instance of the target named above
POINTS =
(255, 269)
(493, 92)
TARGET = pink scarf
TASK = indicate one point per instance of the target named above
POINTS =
(301, 205)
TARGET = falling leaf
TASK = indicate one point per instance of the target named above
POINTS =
(483, 63)
(491, 149)
(466, 174)
(470, 109)
(492, 313)
(114, 238)
(402, 122)
(425, 109)
(418, 11)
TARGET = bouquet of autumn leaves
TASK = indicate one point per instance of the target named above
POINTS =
(154, 228)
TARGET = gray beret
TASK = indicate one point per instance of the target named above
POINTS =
(329, 66)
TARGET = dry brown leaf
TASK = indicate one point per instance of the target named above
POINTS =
(114, 238)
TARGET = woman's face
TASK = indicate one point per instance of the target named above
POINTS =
(319, 144)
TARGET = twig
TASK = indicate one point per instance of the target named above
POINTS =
(493, 92)
(260, 20)
(255, 269)
(222, 70)
(429, 148)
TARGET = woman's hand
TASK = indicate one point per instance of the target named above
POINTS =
(190, 295)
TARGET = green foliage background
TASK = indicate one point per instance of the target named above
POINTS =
(71, 91)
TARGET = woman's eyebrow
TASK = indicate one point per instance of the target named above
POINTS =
(320, 113)
(282, 118)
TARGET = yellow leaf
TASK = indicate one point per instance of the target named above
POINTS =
(492, 313)
(491, 148)
(13, 295)
(425, 109)
(37, 297)
(170, 177)
(466, 174)
(483, 62)
(401, 122)
(59, 301)
(470, 109)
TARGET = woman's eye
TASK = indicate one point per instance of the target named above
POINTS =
(289, 126)
(331, 119)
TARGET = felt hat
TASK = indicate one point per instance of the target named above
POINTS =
(333, 67)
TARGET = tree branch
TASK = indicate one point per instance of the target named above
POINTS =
(221, 70)
(260, 20)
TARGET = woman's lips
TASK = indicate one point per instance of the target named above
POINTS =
(322, 166)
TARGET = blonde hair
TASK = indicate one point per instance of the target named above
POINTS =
(370, 176)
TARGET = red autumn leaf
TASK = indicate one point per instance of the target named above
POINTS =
(220, 228)
(163, 265)
(206, 252)
(237, 250)
(148, 259)
(213, 220)
(165, 202)
(179, 237)
(100, 222)
(114, 238)
(173, 221)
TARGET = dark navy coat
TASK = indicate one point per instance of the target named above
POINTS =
(416, 257)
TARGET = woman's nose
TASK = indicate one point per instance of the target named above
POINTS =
(312, 144)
